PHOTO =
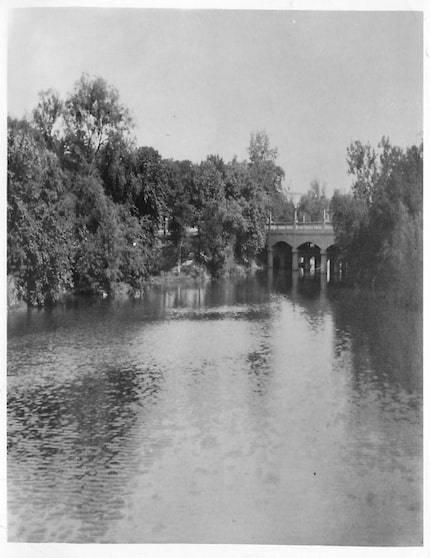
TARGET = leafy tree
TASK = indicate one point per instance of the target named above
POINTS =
(233, 204)
(282, 207)
(48, 118)
(362, 163)
(139, 249)
(313, 204)
(215, 246)
(404, 254)
(85, 205)
(94, 119)
(265, 174)
(350, 222)
(379, 227)
(148, 184)
(181, 195)
(39, 233)
(181, 205)
(98, 238)
(115, 167)
(248, 207)
(260, 150)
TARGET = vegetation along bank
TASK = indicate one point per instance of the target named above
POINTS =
(89, 211)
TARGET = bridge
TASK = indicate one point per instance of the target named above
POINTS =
(296, 246)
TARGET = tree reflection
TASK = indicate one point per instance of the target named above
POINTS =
(305, 292)
(389, 335)
(260, 370)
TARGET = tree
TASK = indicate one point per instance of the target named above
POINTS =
(85, 204)
(48, 118)
(215, 242)
(248, 207)
(283, 208)
(94, 119)
(350, 222)
(362, 163)
(233, 204)
(313, 204)
(139, 249)
(115, 167)
(98, 239)
(259, 149)
(148, 184)
(181, 207)
(39, 231)
(265, 174)
(380, 226)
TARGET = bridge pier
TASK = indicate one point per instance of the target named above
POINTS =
(323, 271)
(323, 262)
(323, 283)
(270, 258)
(295, 262)
(294, 280)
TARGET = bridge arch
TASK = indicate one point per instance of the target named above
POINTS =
(282, 256)
(309, 256)
(336, 264)
(317, 237)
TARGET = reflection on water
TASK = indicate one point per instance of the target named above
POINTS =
(251, 411)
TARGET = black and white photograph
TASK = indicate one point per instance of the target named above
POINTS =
(214, 276)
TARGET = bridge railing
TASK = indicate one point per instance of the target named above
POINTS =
(290, 225)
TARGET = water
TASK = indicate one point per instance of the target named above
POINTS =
(252, 411)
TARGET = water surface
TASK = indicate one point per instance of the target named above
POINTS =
(248, 411)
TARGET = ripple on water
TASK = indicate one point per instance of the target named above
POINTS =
(272, 417)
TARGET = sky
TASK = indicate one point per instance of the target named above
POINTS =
(198, 82)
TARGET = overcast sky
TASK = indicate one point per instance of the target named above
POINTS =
(198, 82)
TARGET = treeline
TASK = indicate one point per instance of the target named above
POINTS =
(85, 204)
(379, 225)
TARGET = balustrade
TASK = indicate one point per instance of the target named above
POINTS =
(283, 226)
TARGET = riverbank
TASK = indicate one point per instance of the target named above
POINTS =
(185, 274)
(190, 272)
(14, 301)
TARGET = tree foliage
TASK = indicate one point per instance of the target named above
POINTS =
(379, 226)
(313, 204)
(86, 205)
(39, 232)
(48, 118)
(95, 118)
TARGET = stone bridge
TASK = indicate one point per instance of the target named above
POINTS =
(300, 245)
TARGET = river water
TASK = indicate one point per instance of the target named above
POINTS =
(249, 411)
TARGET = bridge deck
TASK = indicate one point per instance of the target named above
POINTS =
(283, 226)
(297, 234)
